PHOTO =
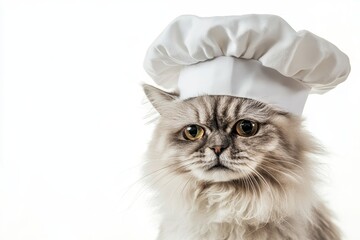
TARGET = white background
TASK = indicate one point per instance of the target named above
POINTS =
(73, 129)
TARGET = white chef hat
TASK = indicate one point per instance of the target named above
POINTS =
(253, 56)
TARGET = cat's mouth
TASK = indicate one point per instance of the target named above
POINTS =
(218, 166)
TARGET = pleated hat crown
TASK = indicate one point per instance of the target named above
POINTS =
(252, 56)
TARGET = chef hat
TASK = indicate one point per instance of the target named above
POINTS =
(253, 56)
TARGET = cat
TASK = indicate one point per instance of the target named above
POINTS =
(224, 167)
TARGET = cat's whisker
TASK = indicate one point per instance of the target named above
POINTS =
(158, 179)
(280, 184)
(149, 175)
(258, 175)
(157, 171)
(261, 178)
(257, 191)
(176, 188)
(170, 172)
(185, 185)
(273, 160)
(286, 172)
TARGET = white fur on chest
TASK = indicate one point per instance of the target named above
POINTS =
(218, 213)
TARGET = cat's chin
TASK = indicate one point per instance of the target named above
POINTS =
(218, 174)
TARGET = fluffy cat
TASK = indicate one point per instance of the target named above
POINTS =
(232, 168)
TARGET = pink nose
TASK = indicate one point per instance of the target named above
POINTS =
(217, 149)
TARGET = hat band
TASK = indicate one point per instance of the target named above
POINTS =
(245, 78)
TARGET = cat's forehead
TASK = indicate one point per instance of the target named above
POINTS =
(224, 109)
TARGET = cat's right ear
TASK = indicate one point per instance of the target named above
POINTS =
(159, 98)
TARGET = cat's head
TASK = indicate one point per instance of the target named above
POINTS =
(224, 138)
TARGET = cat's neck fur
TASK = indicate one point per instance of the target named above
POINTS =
(219, 207)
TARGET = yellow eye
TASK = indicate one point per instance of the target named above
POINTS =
(193, 132)
(246, 128)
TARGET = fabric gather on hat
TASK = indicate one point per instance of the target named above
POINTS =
(267, 40)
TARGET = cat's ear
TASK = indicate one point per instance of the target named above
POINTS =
(159, 98)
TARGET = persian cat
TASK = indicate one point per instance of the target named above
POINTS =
(232, 168)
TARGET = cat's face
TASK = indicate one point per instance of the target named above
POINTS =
(222, 138)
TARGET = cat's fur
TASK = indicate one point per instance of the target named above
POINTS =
(268, 194)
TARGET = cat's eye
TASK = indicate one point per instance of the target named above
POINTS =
(193, 132)
(246, 128)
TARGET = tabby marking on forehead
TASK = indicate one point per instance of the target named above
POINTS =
(218, 109)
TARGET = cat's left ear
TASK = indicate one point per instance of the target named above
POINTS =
(159, 98)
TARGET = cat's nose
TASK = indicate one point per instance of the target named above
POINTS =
(218, 149)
